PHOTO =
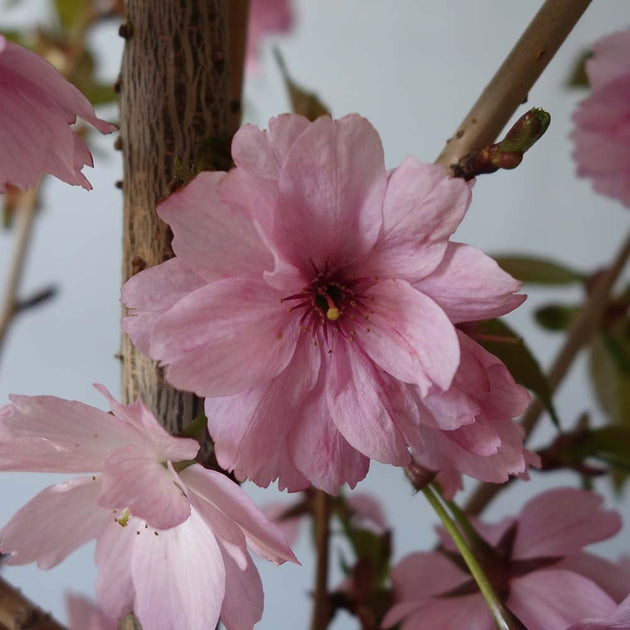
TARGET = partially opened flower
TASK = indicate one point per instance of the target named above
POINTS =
(171, 546)
(619, 619)
(37, 109)
(312, 301)
(266, 17)
(535, 564)
(602, 120)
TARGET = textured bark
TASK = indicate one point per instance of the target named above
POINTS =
(18, 613)
(175, 91)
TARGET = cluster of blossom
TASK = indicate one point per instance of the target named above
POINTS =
(314, 301)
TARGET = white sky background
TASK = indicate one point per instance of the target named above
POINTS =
(413, 68)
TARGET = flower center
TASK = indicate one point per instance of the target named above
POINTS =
(332, 301)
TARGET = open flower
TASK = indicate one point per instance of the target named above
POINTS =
(312, 301)
(171, 546)
(37, 108)
(535, 564)
(602, 120)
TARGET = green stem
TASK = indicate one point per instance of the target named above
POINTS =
(499, 614)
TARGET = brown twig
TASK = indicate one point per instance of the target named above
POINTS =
(321, 605)
(511, 83)
(582, 329)
(24, 218)
(18, 613)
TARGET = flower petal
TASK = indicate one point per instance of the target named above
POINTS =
(373, 411)
(151, 293)
(179, 577)
(609, 59)
(331, 193)
(225, 338)
(132, 479)
(553, 599)
(244, 600)
(470, 286)
(264, 537)
(561, 521)
(54, 523)
(262, 153)
(214, 239)
(409, 336)
(71, 436)
(422, 208)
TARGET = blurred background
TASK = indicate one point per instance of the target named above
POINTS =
(413, 68)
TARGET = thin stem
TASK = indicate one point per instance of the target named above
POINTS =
(497, 610)
(321, 612)
(25, 215)
(584, 326)
(513, 80)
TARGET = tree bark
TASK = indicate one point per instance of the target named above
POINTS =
(175, 91)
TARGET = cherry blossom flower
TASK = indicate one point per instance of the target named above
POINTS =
(171, 546)
(266, 17)
(602, 120)
(37, 108)
(535, 563)
(312, 301)
(85, 615)
(618, 620)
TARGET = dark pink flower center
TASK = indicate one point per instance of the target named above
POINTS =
(333, 301)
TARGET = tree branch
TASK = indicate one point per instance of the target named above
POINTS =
(321, 608)
(513, 80)
(18, 613)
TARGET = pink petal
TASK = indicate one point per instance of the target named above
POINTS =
(114, 552)
(244, 600)
(320, 451)
(610, 59)
(71, 436)
(179, 577)
(612, 578)
(151, 293)
(54, 523)
(264, 537)
(84, 614)
(250, 429)
(131, 479)
(409, 336)
(36, 110)
(554, 599)
(421, 210)
(373, 411)
(158, 443)
(470, 286)
(560, 522)
(331, 192)
(225, 338)
(262, 153)
(214, 239)
(367, 512)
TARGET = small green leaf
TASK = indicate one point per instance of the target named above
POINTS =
(499, 339)
(71, 12)
(556, 316)
(578, 77)
(538, 270)
(303, 102)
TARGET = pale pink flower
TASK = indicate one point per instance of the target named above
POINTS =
(619, 619)
(312, 301)
(37, 109)
(266, 17)
(171, 546)
(602, 120)
(537, 568)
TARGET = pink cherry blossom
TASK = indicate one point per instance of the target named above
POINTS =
(37, 108)
(312, 301)
(85, 615)
(171, 546)
(266, 17)
(602, 120)
(536, 565)
(619, 619)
